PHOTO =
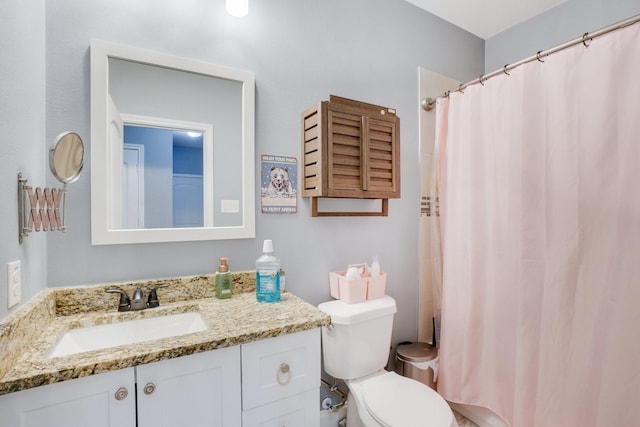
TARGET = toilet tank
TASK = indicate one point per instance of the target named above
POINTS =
(358, 341)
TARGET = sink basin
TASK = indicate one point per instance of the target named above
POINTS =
(129, 332)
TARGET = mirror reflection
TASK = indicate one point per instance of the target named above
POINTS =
(172, 144)
(162, 177)
(143, 94)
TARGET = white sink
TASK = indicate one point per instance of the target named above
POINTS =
(129, 332)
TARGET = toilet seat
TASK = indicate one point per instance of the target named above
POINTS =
(393, 400)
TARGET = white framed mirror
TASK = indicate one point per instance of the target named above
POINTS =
(172, 148)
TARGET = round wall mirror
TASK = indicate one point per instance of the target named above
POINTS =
(66, 157)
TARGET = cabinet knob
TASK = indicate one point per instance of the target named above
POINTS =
(149, 388)
(121, 393)
(283, 371)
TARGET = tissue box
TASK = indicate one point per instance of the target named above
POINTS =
(349, 291)
(356, 290)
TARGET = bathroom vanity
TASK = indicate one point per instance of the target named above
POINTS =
(254, 362)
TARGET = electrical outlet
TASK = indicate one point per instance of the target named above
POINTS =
(14, 283)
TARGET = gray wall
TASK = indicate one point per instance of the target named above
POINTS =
(22, 136)
(300, 51)
(566, 22)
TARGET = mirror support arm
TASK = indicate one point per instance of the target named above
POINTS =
(40, 208)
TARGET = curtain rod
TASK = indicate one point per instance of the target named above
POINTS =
(429, 103)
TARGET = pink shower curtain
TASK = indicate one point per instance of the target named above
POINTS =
(539, 179)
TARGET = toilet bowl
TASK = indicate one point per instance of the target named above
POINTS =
(355, 348)
(390, 400)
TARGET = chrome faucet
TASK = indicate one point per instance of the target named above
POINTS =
(137, 301)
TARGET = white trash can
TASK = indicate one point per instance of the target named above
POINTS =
(418, 361)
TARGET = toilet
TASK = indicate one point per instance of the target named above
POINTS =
(355, 348)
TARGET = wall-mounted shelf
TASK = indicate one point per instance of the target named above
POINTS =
(315, 211)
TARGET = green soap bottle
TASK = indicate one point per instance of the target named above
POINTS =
(223, 280)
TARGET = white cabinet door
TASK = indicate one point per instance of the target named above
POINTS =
(198, 390)
(280, 367)
(301, 410)
(89, 401)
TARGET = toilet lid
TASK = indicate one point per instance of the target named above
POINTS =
(393, 400)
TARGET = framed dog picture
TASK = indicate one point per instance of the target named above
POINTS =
(279, 184)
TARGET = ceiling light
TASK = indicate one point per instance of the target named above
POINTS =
(237, 7)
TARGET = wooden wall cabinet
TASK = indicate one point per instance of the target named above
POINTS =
(350, 149)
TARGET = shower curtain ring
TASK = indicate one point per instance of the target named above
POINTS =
(538, 56)
(504, 70)
(480, 79)
(461, 88)
(584, 40)
(446, 94)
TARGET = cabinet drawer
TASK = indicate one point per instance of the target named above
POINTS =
(280, 367)
(301, 410)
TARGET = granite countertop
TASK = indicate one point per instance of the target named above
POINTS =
(27, 335)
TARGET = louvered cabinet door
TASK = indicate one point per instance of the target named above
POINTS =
(382, 157)
(345, 154)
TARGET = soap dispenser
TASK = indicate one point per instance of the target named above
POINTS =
(223, 280)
